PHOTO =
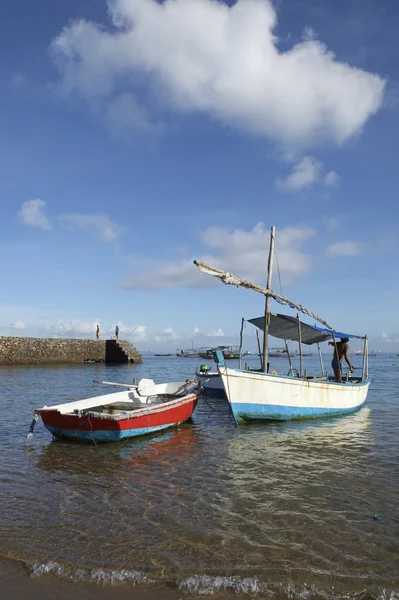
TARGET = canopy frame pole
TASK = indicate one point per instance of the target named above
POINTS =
(300, 344)
(288, 354)
(367, 359)
(240, 351)
(259, 350)
(267, 303)
(321, 360)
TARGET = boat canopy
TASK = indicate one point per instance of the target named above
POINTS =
(285, 327)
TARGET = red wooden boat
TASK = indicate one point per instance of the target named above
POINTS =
(139, 409)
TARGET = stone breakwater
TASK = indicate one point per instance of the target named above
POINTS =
(24, 350)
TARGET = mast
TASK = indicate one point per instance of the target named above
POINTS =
(267, 303)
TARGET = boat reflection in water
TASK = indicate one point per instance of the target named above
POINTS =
(166, 448)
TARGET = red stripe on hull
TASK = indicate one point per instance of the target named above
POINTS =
(170, 416)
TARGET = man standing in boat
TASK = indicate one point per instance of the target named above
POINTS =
(341, 350)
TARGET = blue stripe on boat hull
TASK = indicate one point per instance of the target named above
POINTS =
(276, 412)
(103, 435)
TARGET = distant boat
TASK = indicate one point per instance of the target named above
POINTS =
(162, 354)
(280, 353)
(192, 353)
(187, 353)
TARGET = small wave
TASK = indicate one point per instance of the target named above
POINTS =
(206, 585)
(99, 576)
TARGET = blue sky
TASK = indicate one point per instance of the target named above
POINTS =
(138, 135)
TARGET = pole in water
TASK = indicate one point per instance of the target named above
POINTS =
(32, 425)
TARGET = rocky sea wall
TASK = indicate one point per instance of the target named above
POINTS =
(25, 350)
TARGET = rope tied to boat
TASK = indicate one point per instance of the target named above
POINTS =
(32, 425)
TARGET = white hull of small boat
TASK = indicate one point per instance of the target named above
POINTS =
(263, 396)
(212, 384)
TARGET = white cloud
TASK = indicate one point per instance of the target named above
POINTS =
(205, 56)
(167, 335)
(304, 174)
(98, 224)
(218, 333)
(390, 337)
(345, 248)
(18, 325)
(74, 328)
(194, 333)
(32, 214)
(241, 252)
(332, 179)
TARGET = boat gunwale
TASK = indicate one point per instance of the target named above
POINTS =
(128, 415)
(296, 380)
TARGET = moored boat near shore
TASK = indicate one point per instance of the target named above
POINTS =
(268, 396)
(211, 382)
(138, 410)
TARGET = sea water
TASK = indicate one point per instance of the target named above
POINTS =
(306, 509)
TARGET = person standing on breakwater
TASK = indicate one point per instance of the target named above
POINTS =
(116, 332)
(98, 332)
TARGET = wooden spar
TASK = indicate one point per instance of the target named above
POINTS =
(267, 302)
(300, 344)
(230, 279)
(240, 353)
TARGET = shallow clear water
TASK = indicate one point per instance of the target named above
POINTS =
(286, 510)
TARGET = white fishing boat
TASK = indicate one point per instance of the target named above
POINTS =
(255, 395)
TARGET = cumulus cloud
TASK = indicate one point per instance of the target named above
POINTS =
(217, 333)
(332, 179)
(304, 174)
(101, 225)
(138, 333)
(32, 214)
(167, 335)
(207, 57)
(390, 337)
(194, 332)
(18, 325)
(73, 328)
(345, 248)
(241, 252)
